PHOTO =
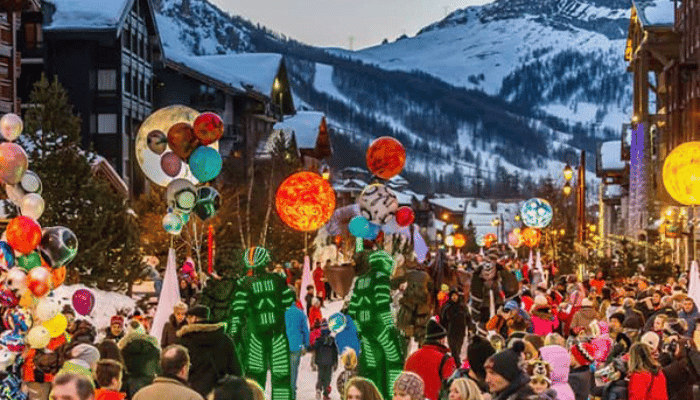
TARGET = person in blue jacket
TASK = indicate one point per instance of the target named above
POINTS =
(348, 336)
(298, 336)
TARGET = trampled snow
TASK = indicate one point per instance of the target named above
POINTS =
(86, 14)
(106, 305)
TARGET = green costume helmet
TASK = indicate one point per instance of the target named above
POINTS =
(256, 257)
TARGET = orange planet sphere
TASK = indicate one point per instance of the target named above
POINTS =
(681, 173)
(305, 201)
(531, 237)
(58, 275)
(182, 140)
(386, 157)
(460, 240)
(23, 234)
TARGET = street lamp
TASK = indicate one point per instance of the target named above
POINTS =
(567, 189)
(568, 173)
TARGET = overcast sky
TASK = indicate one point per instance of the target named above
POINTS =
(330, 23)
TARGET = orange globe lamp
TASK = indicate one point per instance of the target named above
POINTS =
(489, 239)
(386, 157)
(681, 173)
(305, 201)
(460, 240)
(531, 237)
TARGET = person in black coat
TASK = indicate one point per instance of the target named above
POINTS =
(212, 352)
(455, 317)
(325, 358)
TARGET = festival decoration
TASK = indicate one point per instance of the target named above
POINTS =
(359, 227)
(13, 162)
(172, 223)
(39, 281)
(38, 337)
(489, 239)
(374, 232)
(58, 246)
(30, 261)
(681, 173)
(205, 163)
(56, 326)
(386, 157)
(405, 216)
(157, 141)
(382, 356)
(58, 275)
(377, 203)
(208, 128)
(7, 257)
(531, 237)
(18, 320)
(181, 140)
(32, 206)
(305, 201)
(11, 126)
(16, 280)
(449, 240)
(514, 238)
(536, 213)
(46, 309)
(208, 202)
(181, 195)
(23, 234)
(31, 183)
(7, 297)
(83, 301)
(171, 164)
(459, 240)
(258, 314)
(480, 240)
(337, 322)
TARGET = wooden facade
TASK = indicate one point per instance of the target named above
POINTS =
(10, 54)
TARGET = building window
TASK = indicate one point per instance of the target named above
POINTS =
(127, 82)
(107, 80)
(106, 123)
(33, 39)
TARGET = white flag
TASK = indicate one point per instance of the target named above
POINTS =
(168, 297)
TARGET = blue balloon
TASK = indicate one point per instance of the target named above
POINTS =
(536, 213)
(205, 163)
(374, 230)
(7, 256)
(359, 226)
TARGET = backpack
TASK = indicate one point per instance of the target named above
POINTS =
(446, 382)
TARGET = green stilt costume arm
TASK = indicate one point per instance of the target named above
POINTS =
(240, 304)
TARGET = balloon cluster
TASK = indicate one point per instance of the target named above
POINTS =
(379, 207)
(177, 147)
(515, 238)
(32, 260)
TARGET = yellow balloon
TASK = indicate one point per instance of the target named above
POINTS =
(682, 173)
(56, 326)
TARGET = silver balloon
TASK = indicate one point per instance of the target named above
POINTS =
(58, 246)
(32, 206)
(11, 126)
(31, 183)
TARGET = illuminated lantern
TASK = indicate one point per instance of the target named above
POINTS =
(377, 203)
(531, 237)
(405, 216)
(449, 240)
(480, 240)
(460, 240)
(536, 213)
(305, 201)
(386, 157)
(23, 234)
(208, 128)
(490, 239)
(514, 238)
(682, 173)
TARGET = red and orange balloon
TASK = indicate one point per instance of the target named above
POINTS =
(305, 201)
(23, 234)
(386, 157)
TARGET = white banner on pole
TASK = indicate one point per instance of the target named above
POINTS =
(168, 297)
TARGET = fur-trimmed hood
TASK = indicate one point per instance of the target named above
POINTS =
(201, 327)
(136, 336)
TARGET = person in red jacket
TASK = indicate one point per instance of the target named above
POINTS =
(315, 311)
(108, 375)
(319, 282)
(433, 361)
(647, 380)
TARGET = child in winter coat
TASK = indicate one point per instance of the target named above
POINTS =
(108, 375)
(540, 382)
(544, 321)
(315, 311)
(349, 361)
(315, 332)
(325, 359)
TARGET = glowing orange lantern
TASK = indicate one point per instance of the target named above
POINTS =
(531, 237)
(682, 173)
(305, 201)
(386, 157)
(489, 239)
(460, 240)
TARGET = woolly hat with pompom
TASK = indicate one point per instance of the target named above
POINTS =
(507, 362)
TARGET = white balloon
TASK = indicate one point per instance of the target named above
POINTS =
(11, 126)
(47, 309)
(32, 206)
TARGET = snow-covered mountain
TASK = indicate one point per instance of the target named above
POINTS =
(505, 92)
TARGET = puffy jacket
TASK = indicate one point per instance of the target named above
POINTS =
(170, 331)
(558, 357)
(141, 356)
(104, 394)
(583, 318)
(297, 328)
(426, 363)
(644, 386)
(543, 322)
(348, 337)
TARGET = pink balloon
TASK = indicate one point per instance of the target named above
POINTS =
(83, 301)
(171, 164)
(13, 162)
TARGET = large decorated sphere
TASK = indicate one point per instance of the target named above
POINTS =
(536, 213)
(13, 162)
(489, 239)
(460, 240)
(208, 128)
(58, 246)
(181, 195)
(205, 163)
(305, 201)
(208, 202)
(682, 173)
(514, 238)
(386, 157)
(23, 234)
(181, 140)
(531, 237)
(378, 203)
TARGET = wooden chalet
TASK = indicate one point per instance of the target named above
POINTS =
(652, 48)
(11, 34)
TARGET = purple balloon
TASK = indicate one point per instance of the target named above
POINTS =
(83, 301)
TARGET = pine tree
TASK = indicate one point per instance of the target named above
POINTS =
(108, 251)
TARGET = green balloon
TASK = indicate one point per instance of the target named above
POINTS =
(31, 260)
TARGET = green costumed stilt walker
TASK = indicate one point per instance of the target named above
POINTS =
(382, 358)
(258, 314)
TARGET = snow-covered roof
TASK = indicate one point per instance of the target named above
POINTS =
(87, 14)
(403, 198)
(611, 156)
(305, 125)
(612, 191)
(249, 71)
(655, 12)
(454, 204)
(350, 185)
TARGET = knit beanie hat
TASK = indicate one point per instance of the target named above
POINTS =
(411, 384)
(199, 311)
(583, 353)
(435, 331)
(87, 353)
(478, 352)
(116, 319)
(506, 363)
(510, 305)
